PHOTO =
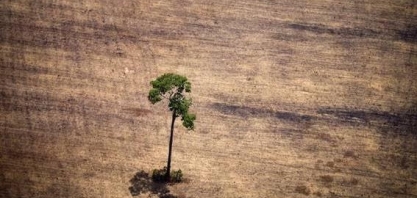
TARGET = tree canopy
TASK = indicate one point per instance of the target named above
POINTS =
(172, 86)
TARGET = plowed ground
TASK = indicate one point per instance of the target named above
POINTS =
(293, 98)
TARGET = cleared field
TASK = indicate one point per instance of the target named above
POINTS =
(293, 98)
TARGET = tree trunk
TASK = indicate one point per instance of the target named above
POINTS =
(168, 173)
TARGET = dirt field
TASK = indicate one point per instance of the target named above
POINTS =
(293, 98)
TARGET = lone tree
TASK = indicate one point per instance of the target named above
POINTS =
(171, 87)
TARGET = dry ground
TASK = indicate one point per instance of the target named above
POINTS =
(293, 98)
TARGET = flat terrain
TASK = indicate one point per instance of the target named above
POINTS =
(293, 98)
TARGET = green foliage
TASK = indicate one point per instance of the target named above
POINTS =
(154, 96)
(172, 87)
(188, 121)
(158, 175)
(176, 176)
(167, 82)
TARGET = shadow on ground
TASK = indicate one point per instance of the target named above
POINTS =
(245, 112)
(402, 123)
(142, 183)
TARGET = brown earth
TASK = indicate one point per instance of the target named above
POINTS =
(293, 98)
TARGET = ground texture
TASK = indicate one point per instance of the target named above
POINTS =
(293, 98)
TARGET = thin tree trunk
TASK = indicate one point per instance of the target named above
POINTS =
(168, 173)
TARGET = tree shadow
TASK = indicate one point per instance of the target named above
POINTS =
(400, 123)
(142, 183)
(246, 111)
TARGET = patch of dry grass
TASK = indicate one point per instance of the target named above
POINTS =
(303, 190)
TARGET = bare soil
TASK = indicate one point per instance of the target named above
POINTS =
(293, 98)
